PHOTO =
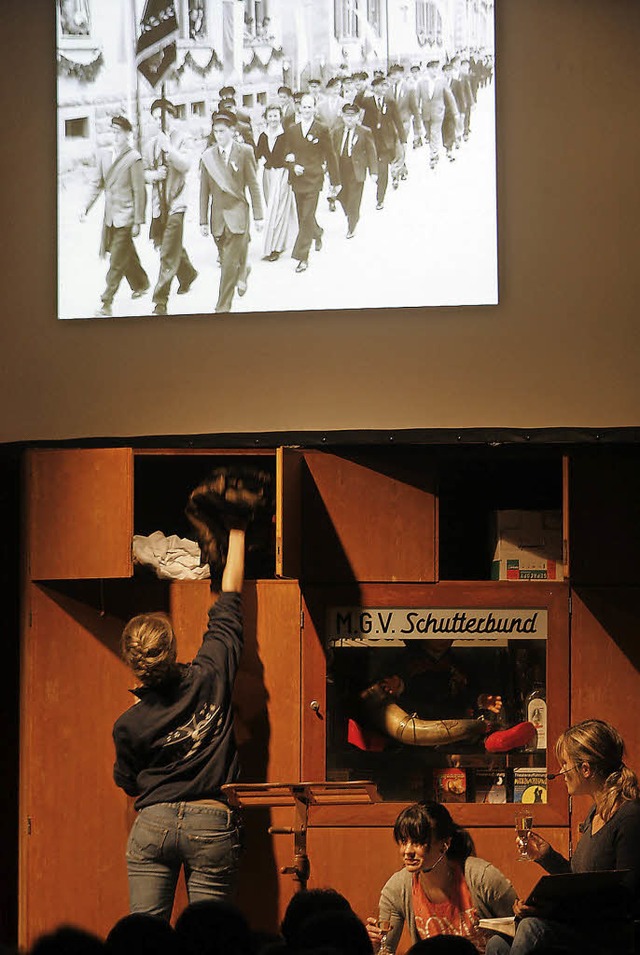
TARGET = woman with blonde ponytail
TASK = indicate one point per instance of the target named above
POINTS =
(591, 757)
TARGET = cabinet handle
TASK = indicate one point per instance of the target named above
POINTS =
(315, 706)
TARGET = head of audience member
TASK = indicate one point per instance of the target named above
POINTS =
(142, 934)
(339, 931)
(214, 927)
(453, 944)
(304, 906)
(425, 833)
(68, 940)
(148, 647)
(591, 757)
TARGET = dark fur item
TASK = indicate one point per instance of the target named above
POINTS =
(233, 496)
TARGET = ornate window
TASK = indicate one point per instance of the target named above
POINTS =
(428, 23)
(74, 18)
(192, 18)
(257, 22)
(347, 26)
(374, 15)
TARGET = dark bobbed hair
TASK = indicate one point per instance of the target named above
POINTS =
(426, 822)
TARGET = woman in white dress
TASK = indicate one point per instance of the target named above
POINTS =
(280, 215)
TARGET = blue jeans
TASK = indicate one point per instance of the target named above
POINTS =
(539, 935)
(204, 837)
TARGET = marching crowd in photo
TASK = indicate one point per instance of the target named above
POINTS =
(328, 138)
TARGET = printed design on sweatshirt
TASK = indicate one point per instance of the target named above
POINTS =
(201, 728)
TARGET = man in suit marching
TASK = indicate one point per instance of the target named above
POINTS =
(356, 151)
(167, 163)
(120, 175)
(228, 170)
(307, 148)
(382, 116)
(434, 96)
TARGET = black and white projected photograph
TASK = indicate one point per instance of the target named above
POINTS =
(223, 156)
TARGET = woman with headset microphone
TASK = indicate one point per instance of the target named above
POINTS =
(591, 763)
(443, 887)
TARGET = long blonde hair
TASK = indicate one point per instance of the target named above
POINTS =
(148, 646)
(599, 744)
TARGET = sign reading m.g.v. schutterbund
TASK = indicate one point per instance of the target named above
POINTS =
(467, 626)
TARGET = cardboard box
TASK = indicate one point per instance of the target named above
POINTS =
(450, 785)
(530, 785)
(527, 545)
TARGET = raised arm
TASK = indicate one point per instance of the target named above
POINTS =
(233, 573)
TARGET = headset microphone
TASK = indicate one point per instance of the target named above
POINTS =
(437, 862)
(561, 773)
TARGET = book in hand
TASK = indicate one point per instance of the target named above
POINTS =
(605, 891)
(505, 925)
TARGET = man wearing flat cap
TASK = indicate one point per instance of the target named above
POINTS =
(120, 175)
(382, 117)
(356, 151)
(167, 162)
(434, 97)
(227, 171)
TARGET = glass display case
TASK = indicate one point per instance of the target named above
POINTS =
(453, 692)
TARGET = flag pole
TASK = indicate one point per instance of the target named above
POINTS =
(134, 38)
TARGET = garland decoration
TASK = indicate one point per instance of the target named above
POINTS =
(256, 63)
(83, 72)
(213, 64)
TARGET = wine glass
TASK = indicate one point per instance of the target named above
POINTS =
(384, 925)
(524, 825)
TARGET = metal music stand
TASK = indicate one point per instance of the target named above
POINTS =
(301, 796)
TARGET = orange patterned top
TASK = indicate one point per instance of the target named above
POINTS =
(456, 916)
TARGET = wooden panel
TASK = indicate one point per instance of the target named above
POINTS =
(605, 667)
(73, 820)
(267, 689)
(314, 691)
(289, 464)
(367, 518)
(605, 516)
(80, 513)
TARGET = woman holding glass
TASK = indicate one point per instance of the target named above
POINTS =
(591, 761)
(443, 888)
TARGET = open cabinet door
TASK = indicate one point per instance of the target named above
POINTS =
(79, 513)
(289, 466)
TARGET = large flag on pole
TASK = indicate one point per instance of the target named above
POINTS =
(156, 46)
